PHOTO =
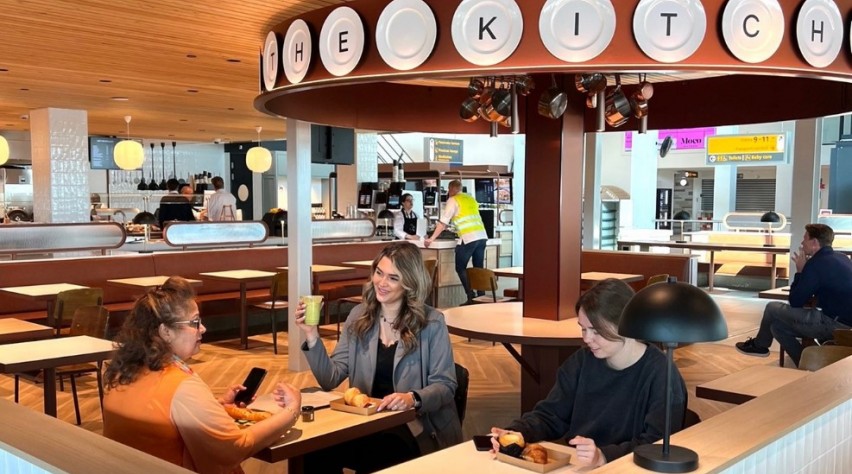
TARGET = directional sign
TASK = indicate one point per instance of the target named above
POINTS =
(741, 149)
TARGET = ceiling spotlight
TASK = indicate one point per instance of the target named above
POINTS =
(683, 181)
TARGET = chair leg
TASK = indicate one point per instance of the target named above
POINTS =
(274, 331)
(17, 387)
(61, 384)
(74, 396)
(101, 386)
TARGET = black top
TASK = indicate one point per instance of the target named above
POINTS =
(175, 207)
(383, 381)
(409, 225)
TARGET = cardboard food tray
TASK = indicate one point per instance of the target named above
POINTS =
(555, 460)
(370, 409)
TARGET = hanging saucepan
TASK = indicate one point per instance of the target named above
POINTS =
(617, 108)
(590, 83)
(525, 84)
(501, 98)
(553, 103)
(475, 87)
(469, 111)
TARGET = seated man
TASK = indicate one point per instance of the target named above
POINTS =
(821, 273)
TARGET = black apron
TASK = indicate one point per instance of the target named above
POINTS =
(409, 225)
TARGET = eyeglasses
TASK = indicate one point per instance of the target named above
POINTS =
(193, 323)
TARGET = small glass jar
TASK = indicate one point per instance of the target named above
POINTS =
(307, 413)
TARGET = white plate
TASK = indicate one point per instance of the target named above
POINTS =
(270, 60)
(819, 54)
(341, 63)
(649, 29)
(295, 65)
(500, 39)
(405, 34)
(557, 29)
(767, 28)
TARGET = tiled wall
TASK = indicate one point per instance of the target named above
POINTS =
(367, 158)
(823, 445)
(59, 139)
(11, 463)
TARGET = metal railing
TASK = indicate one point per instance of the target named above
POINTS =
(389, 149)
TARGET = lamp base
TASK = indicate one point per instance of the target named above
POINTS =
(650, 456)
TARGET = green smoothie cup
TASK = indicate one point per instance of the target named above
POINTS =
(313, 305)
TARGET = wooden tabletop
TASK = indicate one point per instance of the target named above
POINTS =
(464, 457)
(511, 272)
(359, 263)
(41, 292)
(747, 384)
(329, 428)
(147, 282)
(594, 277)
(326, 269)
(706, 246)
(37, 355)
(239, 275)
(14, 330)
(782, 293)
(504, 322)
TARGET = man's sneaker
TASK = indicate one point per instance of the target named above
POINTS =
(749, 347)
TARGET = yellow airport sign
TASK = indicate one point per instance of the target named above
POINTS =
(724, 149)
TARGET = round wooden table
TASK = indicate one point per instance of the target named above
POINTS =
(545, 344)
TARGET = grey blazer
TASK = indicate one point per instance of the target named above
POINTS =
(429, 370)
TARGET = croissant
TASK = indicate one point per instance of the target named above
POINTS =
(238, 413)
(535, 453)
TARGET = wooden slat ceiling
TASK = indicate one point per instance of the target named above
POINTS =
(59, 53)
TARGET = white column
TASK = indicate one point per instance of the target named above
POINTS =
(724, 191)
(518, 196)
(784, 175)
(592, 193)
(60, 154)
(643, 179)
(806, 170)
(299, 242)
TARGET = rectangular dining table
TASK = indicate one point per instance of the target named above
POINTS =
(147, 282)
(781, 293)
(48, 354)
(46, 293)
(742, 386)
(329, 428)
(243, 277)
(15, 330)
(586, 278)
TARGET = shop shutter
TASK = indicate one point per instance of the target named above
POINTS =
(707, 195)
(757, 195)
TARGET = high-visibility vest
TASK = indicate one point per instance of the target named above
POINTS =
(467, 220)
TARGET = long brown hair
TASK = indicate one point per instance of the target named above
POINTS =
(139, 343)
(408, 261)
(603, 304)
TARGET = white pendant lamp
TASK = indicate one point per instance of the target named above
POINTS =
(258, 158)
(4, 150)
(128, 153)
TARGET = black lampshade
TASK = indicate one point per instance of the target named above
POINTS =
(673, 312)
(682, 216)
(770, 216)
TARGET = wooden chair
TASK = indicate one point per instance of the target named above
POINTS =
(483, 279)
(660, 278)
(462, 381)
(68, 301)
(431, 265)
(87, 321)
(278, 300)
(817, 357)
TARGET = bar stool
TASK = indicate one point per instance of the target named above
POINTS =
(228, 213)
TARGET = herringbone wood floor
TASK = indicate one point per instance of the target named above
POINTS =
(493, 399)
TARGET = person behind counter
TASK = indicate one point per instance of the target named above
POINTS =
(463, 211)
(156, 404)
(609, 396)
(173, 206)
(222, 205)
(395, 348)
(405, 221)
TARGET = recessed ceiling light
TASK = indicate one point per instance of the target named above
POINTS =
(230, 108)
(184, 120)
(10, 124)
(191, 56)
(119, 99)
(3, 69)
(201, 130)
(105, 81)
(171, 135)
(233, 60)
(192, 91)
(23, 89)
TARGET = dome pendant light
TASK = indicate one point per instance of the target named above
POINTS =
(4, 150)
(259, 159)
(128, 154)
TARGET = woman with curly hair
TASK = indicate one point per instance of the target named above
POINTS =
(395, 348)
(156, 403)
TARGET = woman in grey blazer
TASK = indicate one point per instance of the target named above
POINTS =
(395, 348)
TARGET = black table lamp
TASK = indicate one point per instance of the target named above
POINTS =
(670, 313)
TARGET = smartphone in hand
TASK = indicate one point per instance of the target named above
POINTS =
(251, 383)
(483, 442)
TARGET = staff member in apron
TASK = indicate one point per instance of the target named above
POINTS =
(405, 221)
